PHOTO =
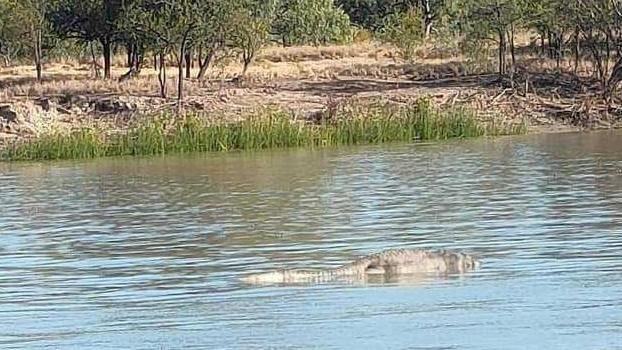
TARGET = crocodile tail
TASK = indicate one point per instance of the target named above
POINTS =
(288, 276)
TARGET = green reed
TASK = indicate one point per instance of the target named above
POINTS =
(350, 125)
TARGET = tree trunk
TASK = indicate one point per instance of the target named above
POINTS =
(248, 59)
(614, 79)
(204, 65)
(162, 75)
(188, 58)
(551, 44)
(107, 51)
(205, 62)
(130, 55)
(428, 17)
(559, 48)
(598, 60)
(39, 69)
(138, 58)
(577, 50)
(512, 46)
(200, 61)
(502, 52)
(607, 54)
(38, 55)
(247, 64)
(180, 71)
(95, 64)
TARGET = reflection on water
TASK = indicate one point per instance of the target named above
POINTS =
(146, 254)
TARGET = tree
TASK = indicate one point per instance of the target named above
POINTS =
(372, 14)
(489, 21)
(405, 31)
(312, 22)
(169, 26)
(90, 20)
(26, 30)
(214, 32)
(599, 23)
(252, 22)
(10, 31)
(250, 36)
(38, 36)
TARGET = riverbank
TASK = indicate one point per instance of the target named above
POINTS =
(344, 124)
(304, 83)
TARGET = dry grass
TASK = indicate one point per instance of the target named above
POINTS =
(313, 53)
(274, 65)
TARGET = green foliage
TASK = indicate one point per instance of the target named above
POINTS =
(216, 26)
(26, 31)
(313, 22)
(164, 24)
(351, 125)
(251, 32)
(485, 23)
(405, 31)
(11, 31)
(371, 14)
(90, 20)
(70, 49)
(483, 19)
(599, 23)
(591, 24)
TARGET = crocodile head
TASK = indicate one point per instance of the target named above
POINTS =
(468, 262)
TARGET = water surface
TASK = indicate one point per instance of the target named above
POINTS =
(146, 253)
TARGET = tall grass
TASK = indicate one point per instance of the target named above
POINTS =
(349, 125)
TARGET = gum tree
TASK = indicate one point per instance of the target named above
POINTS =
(10, 31)
(405, 31)
(26, 29)
(372, 14)
(489, 21)
(38, 36)
(170, 26)
(88, 21)
(252, 22)
(214, 33)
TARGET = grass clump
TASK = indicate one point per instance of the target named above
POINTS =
(349, 124)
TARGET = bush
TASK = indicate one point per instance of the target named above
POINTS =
(405, 31)
(315, 22)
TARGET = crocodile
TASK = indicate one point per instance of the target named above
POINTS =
(386, 264)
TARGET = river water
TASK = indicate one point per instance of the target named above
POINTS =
(146, 253)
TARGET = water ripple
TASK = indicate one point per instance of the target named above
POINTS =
(146, 253)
